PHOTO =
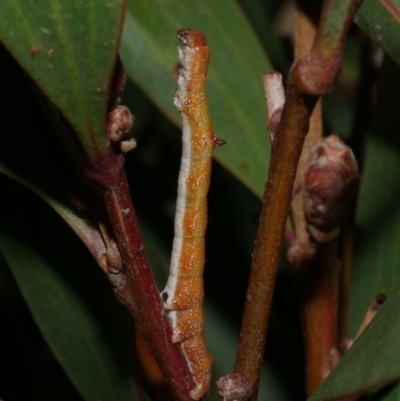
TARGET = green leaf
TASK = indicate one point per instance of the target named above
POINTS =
(259, 15)
(235, 93)
(376, 267)
(70, 299)
(380, 19)
(69, 49)
(32, 155)
(372, 361)
(378, 216)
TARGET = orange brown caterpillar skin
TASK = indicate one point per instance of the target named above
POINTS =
(183, 294)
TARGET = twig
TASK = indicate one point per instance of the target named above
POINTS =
(318, 284)
(126, 265)
(126, 262)
(301, 246)
(276, 203)
(134, 286)
(310, 77)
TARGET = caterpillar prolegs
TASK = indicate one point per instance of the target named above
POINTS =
(183, 294)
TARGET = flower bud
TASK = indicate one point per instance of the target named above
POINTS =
(331, 181)
(120, 121)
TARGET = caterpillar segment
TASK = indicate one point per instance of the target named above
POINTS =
(183, 294)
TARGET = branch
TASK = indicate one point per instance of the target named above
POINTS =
(317, 282)
(310, 78)
(134, 286)
(275, 208)
(126, 263)
(306, 21)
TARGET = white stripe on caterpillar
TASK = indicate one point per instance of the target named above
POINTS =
(183, 294)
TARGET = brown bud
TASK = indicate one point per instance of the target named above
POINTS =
(120, 122)
(114, 262)
(331, 181)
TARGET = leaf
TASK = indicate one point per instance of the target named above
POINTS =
(259, 14)
(70, 299)
(378, 216)
(373, 360)
(377, 260)
(376, 267)
(69, 49)
(380, 19)
(235, 93)
(32, 155)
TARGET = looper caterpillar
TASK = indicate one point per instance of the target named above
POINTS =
(183, 294)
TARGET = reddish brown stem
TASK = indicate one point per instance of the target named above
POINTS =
(136, 289)
(275, 208)
(318, 283)
(309, 78)
(316, 73)
(302, 247)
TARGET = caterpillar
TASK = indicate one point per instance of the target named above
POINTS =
(183, 294)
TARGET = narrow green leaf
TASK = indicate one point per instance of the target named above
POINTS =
(58, 200)
(331, 25)
(69, 48)
(235, 91)
(70, 300)
(377, 254)
(260, 17)
(380, 19)
(373, 360)
(32, 155)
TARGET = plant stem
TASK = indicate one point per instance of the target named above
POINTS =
(309, 78)
(275, 208)
(316, 74)
(318, 284)
(306, 19)
(317, 312)
(136, 289)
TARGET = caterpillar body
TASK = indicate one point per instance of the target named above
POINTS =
(183, 294)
